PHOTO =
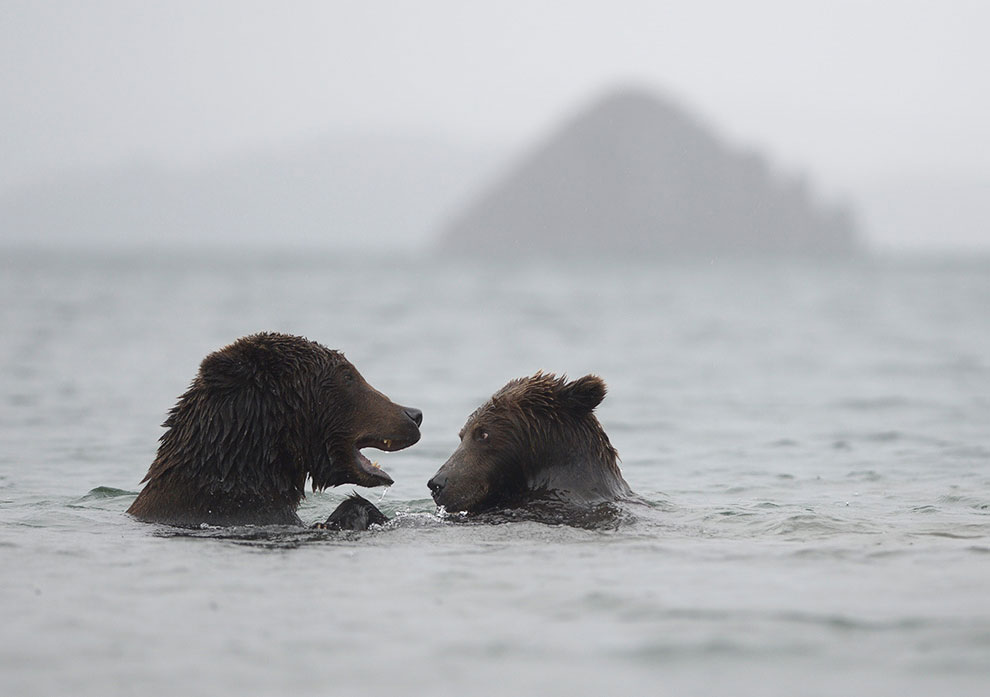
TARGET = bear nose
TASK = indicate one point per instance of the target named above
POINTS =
(437, 483)
(415, 414)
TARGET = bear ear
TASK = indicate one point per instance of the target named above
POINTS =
(584, 394)
(221, 367)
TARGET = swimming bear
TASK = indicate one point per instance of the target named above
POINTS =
(261, 416)
(537, 440)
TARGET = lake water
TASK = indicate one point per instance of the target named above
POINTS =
(814, 439)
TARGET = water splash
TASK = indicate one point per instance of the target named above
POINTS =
(104, 492)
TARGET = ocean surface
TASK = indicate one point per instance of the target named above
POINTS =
(812, 439)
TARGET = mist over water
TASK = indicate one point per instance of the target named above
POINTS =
(810, 436)
(282, 126)
(811, 439)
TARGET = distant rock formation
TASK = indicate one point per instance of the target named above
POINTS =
(636, 175)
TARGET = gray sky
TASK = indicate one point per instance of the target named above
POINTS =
(850, 91)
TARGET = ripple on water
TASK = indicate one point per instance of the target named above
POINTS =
(815, 525)
(865, 475)
(972, 531)
(705, 634)
(873, 404)
(884, 437)
(265, 537)
(102, 493)
(962, 501)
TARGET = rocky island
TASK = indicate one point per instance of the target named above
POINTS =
(634, 175)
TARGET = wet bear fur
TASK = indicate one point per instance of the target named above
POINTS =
(261, 416)
(354, 513)
(537, 440)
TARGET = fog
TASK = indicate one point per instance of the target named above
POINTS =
(764, 224)
(408, 109)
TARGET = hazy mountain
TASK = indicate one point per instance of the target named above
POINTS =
(356, 192)
(635, 174)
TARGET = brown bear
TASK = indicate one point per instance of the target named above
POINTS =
(262, 415)
(536, 440)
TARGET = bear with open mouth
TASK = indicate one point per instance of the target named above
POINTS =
(536, 441)
(261, 416)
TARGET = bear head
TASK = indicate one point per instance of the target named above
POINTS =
(262, 415)
(537, 438)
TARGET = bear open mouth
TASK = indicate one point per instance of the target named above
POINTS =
(368, 473)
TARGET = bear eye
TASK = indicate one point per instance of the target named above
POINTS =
(481, 435)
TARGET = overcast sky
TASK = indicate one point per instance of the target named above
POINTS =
(849, 90)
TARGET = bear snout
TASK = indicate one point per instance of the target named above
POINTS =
(437, 484)
(415, 414)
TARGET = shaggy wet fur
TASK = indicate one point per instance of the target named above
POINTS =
(262, 415)
(536, 439)
(354, 513)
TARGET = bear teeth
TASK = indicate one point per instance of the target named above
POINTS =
(387, 442)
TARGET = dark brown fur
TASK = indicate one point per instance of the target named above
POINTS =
(354, 513)
(262, 415)
(536, 439)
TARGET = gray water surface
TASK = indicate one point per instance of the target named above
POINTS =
(813, 442)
